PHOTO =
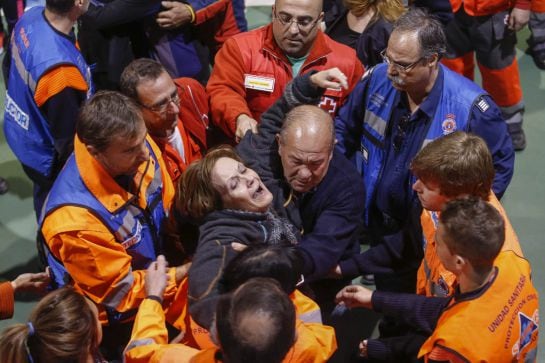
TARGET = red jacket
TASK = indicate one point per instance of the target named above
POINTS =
(254, 57)
(192, 123)
(488, 7)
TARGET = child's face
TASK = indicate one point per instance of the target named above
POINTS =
(430, 195)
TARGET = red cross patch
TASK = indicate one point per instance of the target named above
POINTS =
(328, 104)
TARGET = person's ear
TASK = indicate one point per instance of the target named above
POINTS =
(92, 150)
(460, 262)
(433, 60)
(279, 142)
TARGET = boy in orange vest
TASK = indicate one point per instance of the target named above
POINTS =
(456, 165)
(494, 303)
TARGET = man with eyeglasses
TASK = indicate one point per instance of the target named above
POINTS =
(392, 113)
(175, 112)
(252, 69)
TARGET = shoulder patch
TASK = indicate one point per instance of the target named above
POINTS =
(483, 105)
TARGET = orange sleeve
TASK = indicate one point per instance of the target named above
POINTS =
(149, 338)
(439, 353)
(226, 88)
(57, 79)
(99, 266)
(6, 300)
(315, 343)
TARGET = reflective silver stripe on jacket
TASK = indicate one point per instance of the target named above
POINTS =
(375, 122)
(25, 75)
(314, 316)
(119, 291)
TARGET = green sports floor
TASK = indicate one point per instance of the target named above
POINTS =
(524, 200)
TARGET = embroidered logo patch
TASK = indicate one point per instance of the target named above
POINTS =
(449, 124)
(483, 105)
(527, 328)
(135, 238)
(328, 104)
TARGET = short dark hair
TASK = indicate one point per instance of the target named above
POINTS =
(460, 163)
(280, 262)
(60, 7)
(196, 195)
(256, 323)
(137, 71)
(475, 230)
(431, 35)
(107, 115)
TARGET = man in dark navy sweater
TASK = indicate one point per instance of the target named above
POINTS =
(315, 185)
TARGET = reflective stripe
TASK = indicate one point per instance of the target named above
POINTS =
(314, 316)
(376, 123)
(137, 343)
(155, 184)
(129, 222)
(508, 111)
(25, 75)
(120, 290)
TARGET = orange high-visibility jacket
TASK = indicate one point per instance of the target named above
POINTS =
(149, 341)
(433, 279)
(499, 325)
(96, 261)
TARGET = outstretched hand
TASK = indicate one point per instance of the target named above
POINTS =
(157, 277)
(330, 78)
(32, 282)
(355, 296)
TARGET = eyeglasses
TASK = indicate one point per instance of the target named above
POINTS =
(162, 106)
(403, 68)
(401, 132)
(304, 25)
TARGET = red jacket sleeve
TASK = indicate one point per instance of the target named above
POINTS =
(226, 88)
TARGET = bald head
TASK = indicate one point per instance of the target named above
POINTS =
(256, 323)
(305, 146)
(308, 122)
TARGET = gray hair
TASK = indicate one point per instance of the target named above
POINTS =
(430, 32)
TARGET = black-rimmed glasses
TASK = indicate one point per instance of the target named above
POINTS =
(403, 68)
(162, 106)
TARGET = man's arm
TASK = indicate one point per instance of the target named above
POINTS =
(421, 312)
(59, 95)
(488, 123)
(226, 89)
(98, 264)
(349, 120)
(204, 277)
(117, 12)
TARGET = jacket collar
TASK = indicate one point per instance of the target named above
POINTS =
(319, 48)
(101, 184)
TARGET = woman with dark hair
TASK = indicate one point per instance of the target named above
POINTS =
(231, 204)
(62, 328)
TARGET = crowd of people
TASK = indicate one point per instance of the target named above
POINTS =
(203, 192)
